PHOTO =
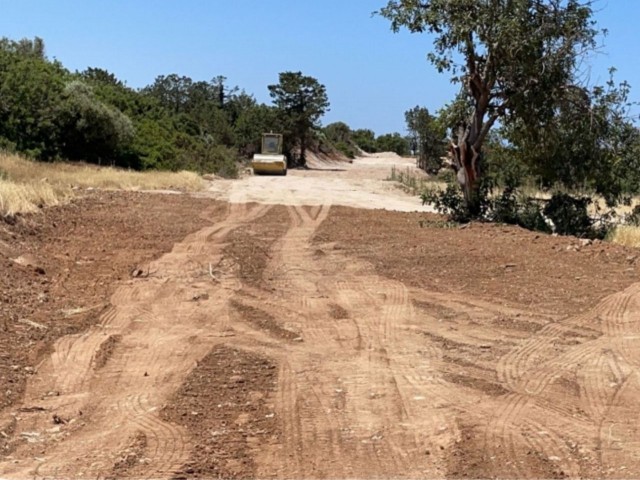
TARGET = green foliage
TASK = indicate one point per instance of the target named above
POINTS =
(513, 208)
(88, 129)
(515, 61)
(346, 149)
(449, 202)
(509, 206)
(30, 90)
(340, 136)
(588, 144)
(175, 123)
(570, 215)
(633, 218)
(365, 139)
(530, 46)
(563, 214)
(426, 137)
(251, 123)
(392, 142)
(408, 180)
(300, 101)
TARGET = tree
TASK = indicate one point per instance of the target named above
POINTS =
(89, 129)
(252, 122)
(517, 60)
(428, 136)
(338, 134)
(392, 142)
(172, 91)
(301, 101)
(365, 139)
(30, 90)
(589, 144)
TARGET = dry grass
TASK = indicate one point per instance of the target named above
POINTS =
(29, 197)
(413, 181)
(26, 185)
(626, 235)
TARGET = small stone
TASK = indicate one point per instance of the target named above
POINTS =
(58, 420)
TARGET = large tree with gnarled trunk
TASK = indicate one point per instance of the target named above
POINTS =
(514, 60)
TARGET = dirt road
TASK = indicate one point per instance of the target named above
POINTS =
(260, 346)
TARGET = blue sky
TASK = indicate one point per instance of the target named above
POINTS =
(372, 75)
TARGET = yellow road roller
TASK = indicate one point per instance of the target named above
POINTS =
(271, 160)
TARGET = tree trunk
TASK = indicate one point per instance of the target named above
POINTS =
(303, 148)
(467, 162)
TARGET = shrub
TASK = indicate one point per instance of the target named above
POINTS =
(512, 208)
(448, 201)
(569, 215)
(563, 214)
(346, 149)
(633, 218)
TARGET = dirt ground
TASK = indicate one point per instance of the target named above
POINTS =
(169, 336)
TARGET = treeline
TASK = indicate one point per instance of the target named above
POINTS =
(351, 142)
(48, 112)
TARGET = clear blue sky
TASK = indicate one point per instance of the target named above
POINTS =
(372, 75)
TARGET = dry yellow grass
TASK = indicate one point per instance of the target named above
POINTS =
(626, 235)
(26, 185)
(29, 197)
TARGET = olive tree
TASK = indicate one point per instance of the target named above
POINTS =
(514, 60)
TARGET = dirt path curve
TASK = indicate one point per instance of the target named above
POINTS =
(375, 379)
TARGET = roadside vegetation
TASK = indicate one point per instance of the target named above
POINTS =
(411, 182)
(524, 119)
(27, 185)
(49, 113)
(627, 235)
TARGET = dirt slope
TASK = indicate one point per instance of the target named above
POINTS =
(291, 341)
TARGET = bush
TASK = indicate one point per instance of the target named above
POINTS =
(346, 149)
(563, 214)
(633, 218)
(512, 208)
(569, 215)
(448, 201)
(89, 129)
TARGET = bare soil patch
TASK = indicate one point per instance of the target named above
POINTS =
(419, 351)
(78, 252)
(497, 262)
(250, 246)
(262, 320)
(225, 405)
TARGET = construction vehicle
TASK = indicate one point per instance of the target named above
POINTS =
(270, 160)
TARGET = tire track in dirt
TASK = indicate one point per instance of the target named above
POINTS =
(344, 399)
(602, 366)
(166, 320)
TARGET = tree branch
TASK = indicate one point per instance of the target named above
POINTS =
(485, 131)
